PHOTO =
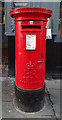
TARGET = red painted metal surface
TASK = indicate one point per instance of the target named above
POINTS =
(30, 46)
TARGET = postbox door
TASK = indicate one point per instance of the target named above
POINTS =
(30, 58)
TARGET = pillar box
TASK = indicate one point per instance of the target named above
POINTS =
(30, 56)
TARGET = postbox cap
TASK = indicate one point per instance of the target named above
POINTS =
(37, 10)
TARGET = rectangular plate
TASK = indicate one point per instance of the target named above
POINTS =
(49, 34)
(30, 42)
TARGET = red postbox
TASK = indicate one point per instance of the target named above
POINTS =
(30, 55)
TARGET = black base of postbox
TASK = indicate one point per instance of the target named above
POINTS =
(30, 100)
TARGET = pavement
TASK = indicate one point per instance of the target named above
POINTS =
(52, 106)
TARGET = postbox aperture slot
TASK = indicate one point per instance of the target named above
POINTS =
(31, 26)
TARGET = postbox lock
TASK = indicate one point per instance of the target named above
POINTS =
(31, 22)
(41, 62)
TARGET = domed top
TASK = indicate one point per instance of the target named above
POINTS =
(32, 10)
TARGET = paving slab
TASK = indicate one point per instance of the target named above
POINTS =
(53, 83)
(54, 89)
(0, 90)
(7, 89)
(0, 110)
(8, 109)
(61, 103)
(10, 112)
(55, 97)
